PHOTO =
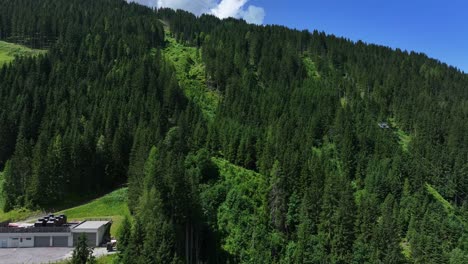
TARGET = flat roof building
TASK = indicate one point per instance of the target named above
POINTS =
(95, 231)
(54, 233)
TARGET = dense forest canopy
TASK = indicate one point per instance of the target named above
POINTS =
(239, 143)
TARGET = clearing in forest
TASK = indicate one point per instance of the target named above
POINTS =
(9, 51)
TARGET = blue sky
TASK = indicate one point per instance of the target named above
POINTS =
(436, 28)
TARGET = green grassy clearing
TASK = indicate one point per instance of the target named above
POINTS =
(404, 138)
(447, 206)
(8, 52)
(236, 175)
(112, 205)
(191, 74)
(18, 214)
(310, 67)
(343, 102)
(405, 249)
(107, 259)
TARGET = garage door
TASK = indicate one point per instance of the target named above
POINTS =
(42, 241)
(60, 241)
(14, 242)
(90, 237)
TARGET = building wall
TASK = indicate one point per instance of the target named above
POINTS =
(95, 234)
(70, 240)
(91, 238)
(25, 240)
(60, 241)
(100, 234)
(16, 240)
(3, 242)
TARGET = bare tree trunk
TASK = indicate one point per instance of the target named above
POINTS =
(187, 256)
(191, 243)
(197, 249)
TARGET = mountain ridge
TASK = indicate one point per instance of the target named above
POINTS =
(239, 143)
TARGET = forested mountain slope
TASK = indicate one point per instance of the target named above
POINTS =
(239, 143)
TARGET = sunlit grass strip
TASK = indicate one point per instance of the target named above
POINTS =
(8, 52)
(112, 205)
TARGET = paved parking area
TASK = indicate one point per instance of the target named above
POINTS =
(33, 255)
(39, 255)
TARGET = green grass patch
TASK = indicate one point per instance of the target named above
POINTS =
(8, 52)
(310, 67)
(233, 174)
(326, 147)
(317, 151)
(191, 74)
(405, 249)
(343, 102)
(112, 205)
(449, 209)
(19, 214)
(447, 206)
(107, 259)
(403, 138)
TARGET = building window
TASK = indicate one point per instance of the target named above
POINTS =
(28, 238)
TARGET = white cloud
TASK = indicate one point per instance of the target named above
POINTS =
(254, 15)
(228, 8)
(221, 9)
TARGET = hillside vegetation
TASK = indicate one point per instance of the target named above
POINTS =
(191, 74)
(15, 214)
(242, 208)
(112, 206)
(9, 51)
(239, 143)
(404, 138)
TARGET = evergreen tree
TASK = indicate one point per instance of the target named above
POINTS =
(387, 239)
(124, 236)
(82, 254)
(56, 180)
(277, 198)
(366, 219)
(159, 241)
(8, 188)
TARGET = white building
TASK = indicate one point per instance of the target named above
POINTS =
(59, 236)
(94, 231)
